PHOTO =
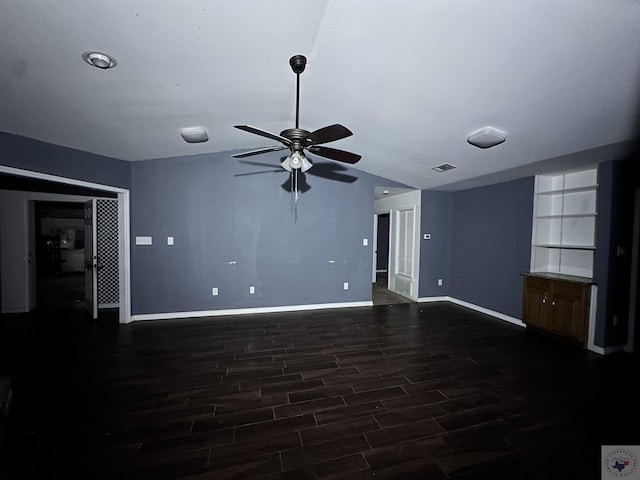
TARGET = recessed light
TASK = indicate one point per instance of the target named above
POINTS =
(99, 60)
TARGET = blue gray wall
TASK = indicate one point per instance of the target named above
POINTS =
(233, 232)
(491, 244)
(235, 227)
(29, 154)
(617, 181)
(435, 253)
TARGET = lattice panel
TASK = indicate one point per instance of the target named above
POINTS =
(108, 275)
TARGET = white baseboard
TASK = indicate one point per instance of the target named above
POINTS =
(318, 306)
(245, 311)
(477, 308)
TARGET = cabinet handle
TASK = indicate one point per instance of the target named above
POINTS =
(544, 299)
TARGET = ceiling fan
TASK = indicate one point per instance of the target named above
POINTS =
(298, 140)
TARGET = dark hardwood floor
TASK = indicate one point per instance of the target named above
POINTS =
(417, 391)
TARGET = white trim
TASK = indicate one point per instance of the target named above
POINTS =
(54, 178)
(606, 350)
(245, 311)
(592, 321)
(434, 299)
(124, 257)
(477, 308)
(493, 313)
(518, 322)
(374, 243)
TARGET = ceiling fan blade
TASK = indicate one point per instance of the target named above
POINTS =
(264, 133)
(279, 170)
(328, 134)
(332, 171)
(259, 164)
(334, 154)
(258, 152)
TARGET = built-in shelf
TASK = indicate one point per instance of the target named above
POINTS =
(564, 223)
(576, 215)
(566, 246)
(569, 190)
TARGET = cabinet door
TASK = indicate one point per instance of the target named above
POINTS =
(570, 304)
(535, 302)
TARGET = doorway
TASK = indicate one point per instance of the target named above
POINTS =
(59, 255)
(381, 295)
(21, 188)
(403, 266)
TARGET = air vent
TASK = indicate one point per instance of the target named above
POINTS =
(444, 167)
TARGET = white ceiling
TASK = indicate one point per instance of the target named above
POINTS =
(411, 78)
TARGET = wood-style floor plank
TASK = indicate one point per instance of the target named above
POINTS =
(385, 392)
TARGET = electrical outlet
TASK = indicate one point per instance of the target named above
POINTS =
(346, 285)
(214, 291)
(439, 282)
(169, 240)
(252, 290)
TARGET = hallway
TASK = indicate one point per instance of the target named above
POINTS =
(382, 295)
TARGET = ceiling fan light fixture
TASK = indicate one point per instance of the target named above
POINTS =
(487, 137)
(99, 60)
(296, 161)
(194, 135)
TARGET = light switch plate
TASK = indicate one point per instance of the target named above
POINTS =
(427, 236)
(365, 242)
(169, 240)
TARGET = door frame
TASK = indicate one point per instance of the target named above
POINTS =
(392, 205)
(374, 241)
(124, 232)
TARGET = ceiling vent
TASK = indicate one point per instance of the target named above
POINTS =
(444, 167)
(486, 137)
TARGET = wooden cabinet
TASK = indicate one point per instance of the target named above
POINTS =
(558, 304)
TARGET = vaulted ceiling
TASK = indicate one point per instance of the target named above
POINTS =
(412, 79)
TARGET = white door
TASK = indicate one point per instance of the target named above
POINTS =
(90, 259)
(404, 253)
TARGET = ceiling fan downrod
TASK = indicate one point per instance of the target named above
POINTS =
(298, 64)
